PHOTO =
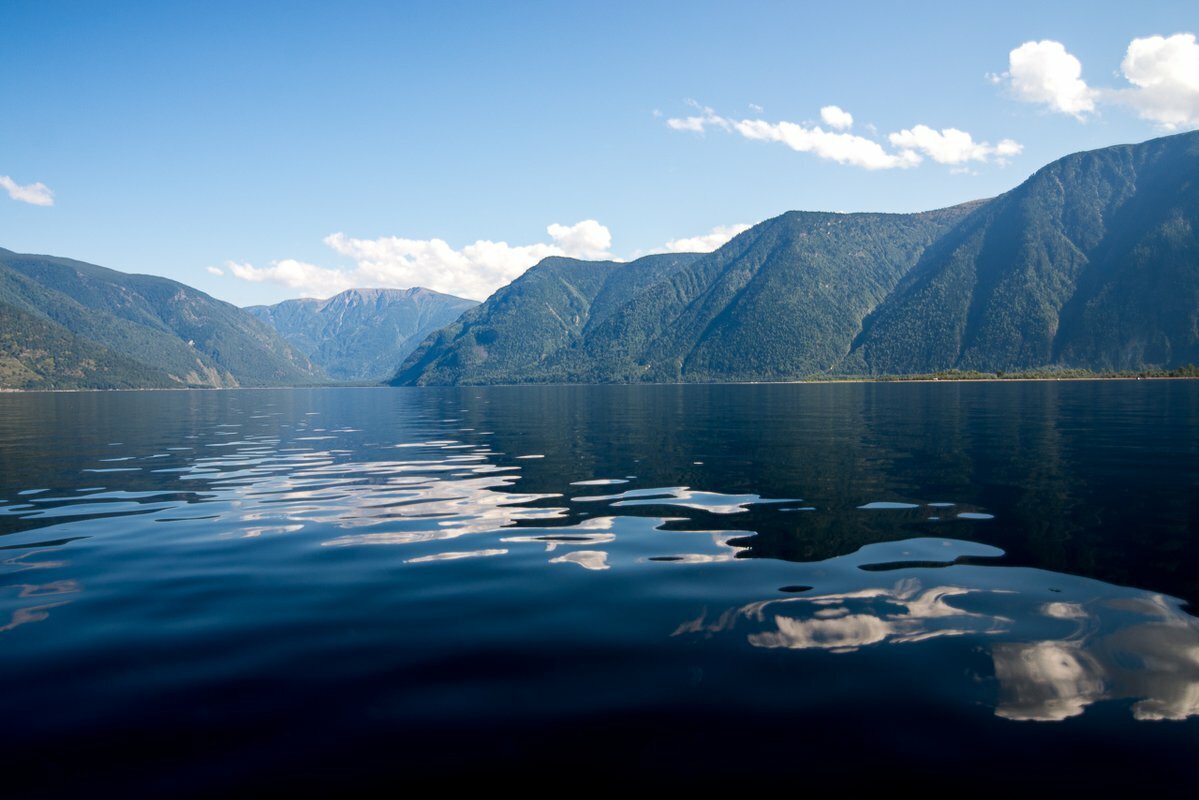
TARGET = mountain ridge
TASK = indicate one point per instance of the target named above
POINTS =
(153, 331)
(676, 309)
(1090, 263)
(1029, 282)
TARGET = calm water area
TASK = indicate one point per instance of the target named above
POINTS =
(205, 592)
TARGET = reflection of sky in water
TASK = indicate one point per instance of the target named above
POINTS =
(446, 501)
(15, 598)
(1108, 643)
(1143, 648)
(587, 559)
(683, 497)
(428, 499)
(456, 555)
(254, 486)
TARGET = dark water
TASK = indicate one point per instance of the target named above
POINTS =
(797, 586)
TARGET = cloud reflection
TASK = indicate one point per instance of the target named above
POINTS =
(455, 556)
(844, 622)
(38, 613)
(684, 497)
(1154, 660)
(587, 559)
(1052, 660)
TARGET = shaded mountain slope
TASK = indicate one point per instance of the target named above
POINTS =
(527, 330)
(1092, 262)
(163, 325)
(782, 299)
(36, 353)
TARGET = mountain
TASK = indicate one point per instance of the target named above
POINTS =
(68, 324)
(36, 353)
(533, 328)
(783, 299)
(1092, 263)
(362, 334)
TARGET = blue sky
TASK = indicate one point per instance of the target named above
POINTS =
(265, 150)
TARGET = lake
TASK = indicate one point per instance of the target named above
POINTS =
(788, 585)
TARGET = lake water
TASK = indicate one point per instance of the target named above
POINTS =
(796, 586)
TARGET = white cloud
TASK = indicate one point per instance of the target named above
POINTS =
(950, 145)
(694, 124)
(836, 117)
(707, 242)
(36, 194)
(1044, 72)
(215, 271)
(844, 148)
(1008, 147)
(1165, 74)
(311, 280)
(587, 239)
(698, 123)
(474, 271)
(757, 109)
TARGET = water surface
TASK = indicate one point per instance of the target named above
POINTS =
(219, 591)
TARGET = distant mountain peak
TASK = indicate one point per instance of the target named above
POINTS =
(362, 334)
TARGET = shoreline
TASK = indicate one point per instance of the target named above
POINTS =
(798, 382)
(1021, 379)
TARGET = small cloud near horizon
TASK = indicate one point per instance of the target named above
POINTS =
(706, 243)
(474, 271)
